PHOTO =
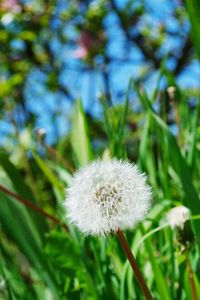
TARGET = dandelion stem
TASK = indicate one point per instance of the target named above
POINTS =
(134, 265)
(191, 279)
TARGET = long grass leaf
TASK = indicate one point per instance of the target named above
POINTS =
(80, 137)
(193, 8)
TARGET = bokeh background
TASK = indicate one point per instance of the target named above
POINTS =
(81, 80)
(53, 52)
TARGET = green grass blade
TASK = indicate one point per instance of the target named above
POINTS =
(178, 163)
(158, 275)
(17, 180)
(56, 183)
(20, 231)
(25, 192)
(107, 122)
(80, 137)
(122, 122)
(193, 8)
(176, 159)
(180, 166)
(192, 149)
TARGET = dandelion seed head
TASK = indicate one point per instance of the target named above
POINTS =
(107, 195)
(177, 216)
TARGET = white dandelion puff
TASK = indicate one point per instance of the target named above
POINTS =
(106, 196)
(177, 216)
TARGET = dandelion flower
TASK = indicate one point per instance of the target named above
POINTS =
(109, 196)
(106, 196)
(177, 216)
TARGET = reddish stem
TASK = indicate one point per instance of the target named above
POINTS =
(134, 265)
(191, 280)
(32, 206)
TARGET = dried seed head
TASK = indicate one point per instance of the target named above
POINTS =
(177, 216)
(107, 195)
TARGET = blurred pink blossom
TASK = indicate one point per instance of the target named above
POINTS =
(81, 53)
(87, 42)
(10, 5)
